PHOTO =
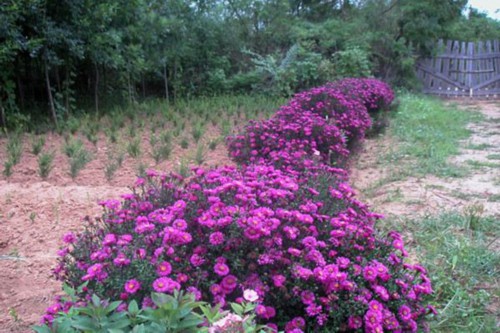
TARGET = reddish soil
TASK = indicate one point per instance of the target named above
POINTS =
(35, 214)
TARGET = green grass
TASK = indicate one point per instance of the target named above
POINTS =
(493, 157)
(482, 164)
(428, 134)
(457, 249)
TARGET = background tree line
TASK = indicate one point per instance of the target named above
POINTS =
(60, 56)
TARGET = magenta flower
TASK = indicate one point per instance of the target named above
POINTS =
(132, 286)
(221, 269)
(163, 268)
(216, 238)
(165, 284)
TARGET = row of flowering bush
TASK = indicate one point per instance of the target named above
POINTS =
(325, 120)
(285, 224)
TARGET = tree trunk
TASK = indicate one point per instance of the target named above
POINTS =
(129, 89)
(20, 86)
(3, 121)
(66, 87)
(165, 79)
(143, 87)
(49, 93)
(96, 89)
(175, 81)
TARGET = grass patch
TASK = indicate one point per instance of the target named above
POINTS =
(493, 157)
(494, 198)
(457, 249)
(428, 133)
(481, 146)
(481, 164)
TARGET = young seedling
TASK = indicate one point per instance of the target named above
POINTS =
(15, 148)
(212, 144)
(183, 168)
(134, 148)
(78, 161)
(199, 157)
(185, 143)
(37, 143)
(7, 168)
(198, 130)
(45, 164)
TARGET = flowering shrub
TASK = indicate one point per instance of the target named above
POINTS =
(374, 94)
(304, 244)
(325, 120)
(286, 225)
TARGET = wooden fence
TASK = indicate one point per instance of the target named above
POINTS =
(462, 69)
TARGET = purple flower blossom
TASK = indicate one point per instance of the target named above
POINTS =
(132, 286)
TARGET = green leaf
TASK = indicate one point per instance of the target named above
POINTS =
(238, 309)
(85, 324)
(41, 329)
(133, 308)
(112, 307)
(96, 300)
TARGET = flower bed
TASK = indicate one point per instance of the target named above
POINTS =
(286, 225)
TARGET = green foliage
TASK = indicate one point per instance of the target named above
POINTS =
(352, 62)
(161, 149)
(177, 313)
(78, 155)
(200, 155)
(134, 147)
(185, 143)
(428, 133)
(14, 148)
(45, 164)
(37, 143)
(7, 168)
(462, 265)
(111, 54)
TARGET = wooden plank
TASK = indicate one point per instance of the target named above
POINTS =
(446, 63)
(496, 60)
(430, 71)
(439, 65)
(487, 83)
(476, 56)
(463, 64)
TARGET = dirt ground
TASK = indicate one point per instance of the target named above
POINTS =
(430, 194)
(34, 214)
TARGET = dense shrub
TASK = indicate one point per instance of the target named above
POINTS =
(285, 224)
(305, 244)
(290, 131)
(374, 94)
(325, 120)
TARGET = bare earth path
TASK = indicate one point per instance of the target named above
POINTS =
(34, 215)
(377, 185)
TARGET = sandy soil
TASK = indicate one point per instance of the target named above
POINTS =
(34, 214)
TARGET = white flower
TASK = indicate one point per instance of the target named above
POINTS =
(250, 295)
